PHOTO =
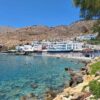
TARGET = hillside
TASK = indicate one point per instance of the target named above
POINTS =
(11, 36)
(5, 29)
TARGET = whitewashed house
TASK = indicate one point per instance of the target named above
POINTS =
(77, 46)
(37, 46)
(63, 46)
(87, 37)
(25, 48)
(54, 46)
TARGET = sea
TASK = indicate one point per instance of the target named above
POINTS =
(21, 75)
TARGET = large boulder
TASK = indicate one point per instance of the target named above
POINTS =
(84, 71)
(76, 79)
(34, 85)
(97, 73)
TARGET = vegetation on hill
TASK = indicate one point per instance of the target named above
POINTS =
(94, 41)
(94, 87)
(95, 67)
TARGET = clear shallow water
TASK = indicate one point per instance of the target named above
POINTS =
(17, 73)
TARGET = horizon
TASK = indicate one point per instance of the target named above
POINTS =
(34, 12)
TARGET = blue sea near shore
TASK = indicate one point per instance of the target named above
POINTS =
(18, 73)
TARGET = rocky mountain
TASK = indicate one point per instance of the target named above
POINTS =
(14, 36)
(5, 29)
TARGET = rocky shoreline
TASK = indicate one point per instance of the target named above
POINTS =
(76, 92)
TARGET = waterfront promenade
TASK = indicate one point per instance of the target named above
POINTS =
(78, 56)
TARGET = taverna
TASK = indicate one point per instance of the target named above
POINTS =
(54, 46)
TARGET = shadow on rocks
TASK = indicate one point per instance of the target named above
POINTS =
(30, 96)
(50, 95)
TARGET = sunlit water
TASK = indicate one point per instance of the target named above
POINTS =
(18, 73)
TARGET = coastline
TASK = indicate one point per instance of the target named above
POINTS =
(70, 93)
(75, 90)
(68, 56)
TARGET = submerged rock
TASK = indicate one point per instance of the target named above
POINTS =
(84, 71)
(23, 98)
(76, 78)
(30, 96)
(33, 85)
(50, 95)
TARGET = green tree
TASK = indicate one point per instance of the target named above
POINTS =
(89, 9)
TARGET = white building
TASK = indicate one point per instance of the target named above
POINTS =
(25, 48)
(37, 46)
(77, 46)
(56, 46)
(87, 37)
(63, 46)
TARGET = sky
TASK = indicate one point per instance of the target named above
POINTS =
(21, 13)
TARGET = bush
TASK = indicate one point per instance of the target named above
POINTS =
(94, 87)
(94, 41)
(95, 67)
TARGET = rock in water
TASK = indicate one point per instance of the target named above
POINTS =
(30, 96)
(50, 95)
(76, 79)
(33, 85)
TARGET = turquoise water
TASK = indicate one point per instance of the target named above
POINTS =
(18, 73)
